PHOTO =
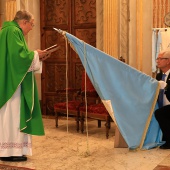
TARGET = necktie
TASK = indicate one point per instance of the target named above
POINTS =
(161, 93)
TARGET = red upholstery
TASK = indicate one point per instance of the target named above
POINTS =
(95, 108)
(73, 106)
(98, 112)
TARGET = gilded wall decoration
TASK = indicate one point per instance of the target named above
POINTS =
(160, 9)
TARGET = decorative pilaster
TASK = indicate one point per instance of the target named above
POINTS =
(110, 27)
(113, 27)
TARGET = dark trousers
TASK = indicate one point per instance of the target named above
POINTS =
(162, 115)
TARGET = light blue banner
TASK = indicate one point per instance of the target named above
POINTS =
(132, 94)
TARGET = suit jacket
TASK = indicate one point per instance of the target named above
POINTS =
(167, 88)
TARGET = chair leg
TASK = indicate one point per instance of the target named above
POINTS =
(99, 123)
(77, 121)
(107, 124)
(56, 118)
(82, 123)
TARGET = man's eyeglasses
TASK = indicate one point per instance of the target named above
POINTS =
(161, 59)
(32, 25)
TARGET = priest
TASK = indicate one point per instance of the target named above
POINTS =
(20, 114)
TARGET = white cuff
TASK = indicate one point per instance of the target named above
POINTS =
(162, 84)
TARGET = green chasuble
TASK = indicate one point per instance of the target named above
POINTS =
(15, 60)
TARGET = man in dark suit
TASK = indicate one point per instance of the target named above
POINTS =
(163, 113)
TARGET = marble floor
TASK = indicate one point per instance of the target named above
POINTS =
(63, 148)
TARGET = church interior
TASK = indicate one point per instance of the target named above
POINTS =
(124, 29)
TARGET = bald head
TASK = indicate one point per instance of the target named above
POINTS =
(163, 61)
(166, 54)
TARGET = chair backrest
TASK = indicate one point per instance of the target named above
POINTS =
(89, 85)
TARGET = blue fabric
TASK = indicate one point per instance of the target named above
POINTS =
(132, 94)
(154, 134)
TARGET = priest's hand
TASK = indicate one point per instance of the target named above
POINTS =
(43, 54)
(46, 56)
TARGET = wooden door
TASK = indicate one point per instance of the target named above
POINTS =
(77, 17)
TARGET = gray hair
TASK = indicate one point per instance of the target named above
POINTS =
(22, 14)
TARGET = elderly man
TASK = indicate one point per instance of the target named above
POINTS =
(20, 115)
(163, 113)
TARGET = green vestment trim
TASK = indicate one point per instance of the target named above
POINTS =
(15, 60)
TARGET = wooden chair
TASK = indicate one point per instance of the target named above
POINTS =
(97, 112)
(77, 102)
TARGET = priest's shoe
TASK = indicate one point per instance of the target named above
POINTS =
(14, 158)
(165, 146)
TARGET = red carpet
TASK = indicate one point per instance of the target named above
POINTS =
(8, 167)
